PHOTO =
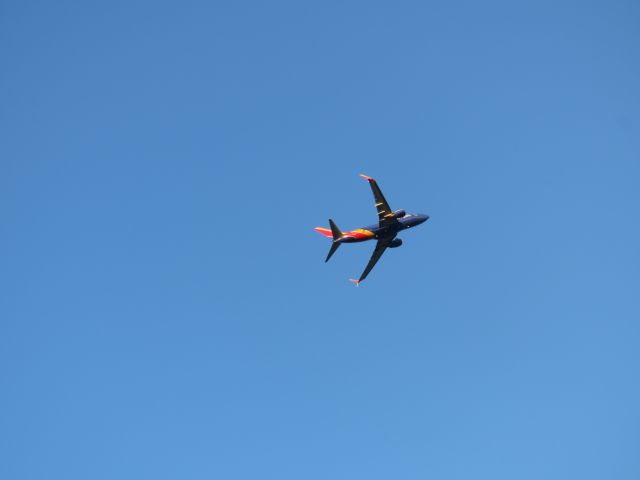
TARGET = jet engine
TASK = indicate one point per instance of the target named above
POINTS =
(399, 214)
(395, 243)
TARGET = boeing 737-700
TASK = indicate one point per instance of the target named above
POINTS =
(389, 225)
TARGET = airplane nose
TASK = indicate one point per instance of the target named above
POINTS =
(424, 218)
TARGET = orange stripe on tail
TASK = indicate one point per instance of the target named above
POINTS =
(324, 231)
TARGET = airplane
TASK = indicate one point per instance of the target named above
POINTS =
(389, 225)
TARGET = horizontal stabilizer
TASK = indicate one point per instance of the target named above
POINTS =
(335, 231)
(335, 234)
(332, 250)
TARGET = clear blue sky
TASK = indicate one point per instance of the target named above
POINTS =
(165, 309)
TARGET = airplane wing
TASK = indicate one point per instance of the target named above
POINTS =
(385, 214)
(381, 246)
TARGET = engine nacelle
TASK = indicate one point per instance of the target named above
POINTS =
(399, 214)
(395, 243)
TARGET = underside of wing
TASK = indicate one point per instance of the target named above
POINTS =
(385, 214)
(381, 246)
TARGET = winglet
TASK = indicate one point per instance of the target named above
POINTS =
(357, 282)
(366, 177)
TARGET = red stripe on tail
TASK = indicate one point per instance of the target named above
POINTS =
(324, 231)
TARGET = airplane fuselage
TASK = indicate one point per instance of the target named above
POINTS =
(375, 232)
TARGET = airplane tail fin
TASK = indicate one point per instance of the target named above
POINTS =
(337, 235)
